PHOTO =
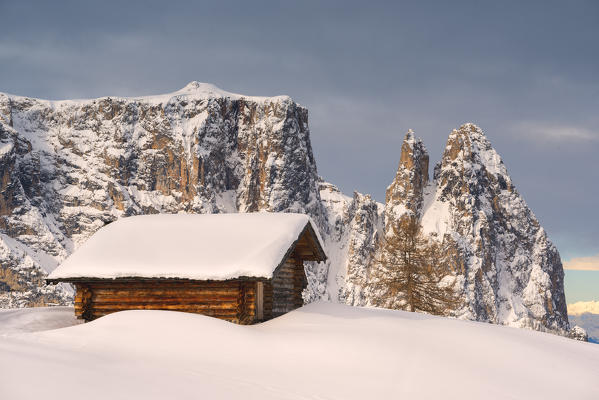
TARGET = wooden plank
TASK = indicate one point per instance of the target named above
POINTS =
(259, 300)
(190, 296)
(165, 305)
(197, 310)
(164, 291)
(234, 301)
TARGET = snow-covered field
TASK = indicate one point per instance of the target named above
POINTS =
(321, 351)
(23, 320)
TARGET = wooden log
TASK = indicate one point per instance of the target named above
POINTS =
(165, 305)
(165, 293)
(188, 299)
(209, 312)
(231, 300)
(228, 317)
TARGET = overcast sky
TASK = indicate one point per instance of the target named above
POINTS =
(525, 72)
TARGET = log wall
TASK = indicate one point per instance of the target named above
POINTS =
(268, 300)
(233, 300)
(229, 300)
(288, 282)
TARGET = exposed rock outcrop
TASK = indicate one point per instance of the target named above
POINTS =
(406, 192)
(513, 274)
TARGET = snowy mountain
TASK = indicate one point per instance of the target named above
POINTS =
(512, 274)
(508, 271)
(320, 351)
(69, 167)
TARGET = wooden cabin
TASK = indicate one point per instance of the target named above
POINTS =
(243, 268)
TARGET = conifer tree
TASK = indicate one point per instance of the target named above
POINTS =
(411, 270)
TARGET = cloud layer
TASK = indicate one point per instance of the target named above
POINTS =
(555, 133)
(583, 263)
(581, 307)
(367, 71)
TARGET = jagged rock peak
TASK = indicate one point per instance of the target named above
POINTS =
(405, 192)
(413, 151)
(469, 147)
(511, 272)
(505, 268)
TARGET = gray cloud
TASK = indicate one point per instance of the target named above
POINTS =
(526, 72)
(583, 264)
(545, 133)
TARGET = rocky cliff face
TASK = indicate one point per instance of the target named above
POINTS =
(406, 192)
(355, 226)
(69, 167)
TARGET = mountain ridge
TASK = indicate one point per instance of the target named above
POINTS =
(69, 167)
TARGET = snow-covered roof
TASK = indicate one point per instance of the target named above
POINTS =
(192, 246)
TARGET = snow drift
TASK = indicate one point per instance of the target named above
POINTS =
(321, 351)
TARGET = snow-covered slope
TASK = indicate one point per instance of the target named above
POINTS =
(321, 351)
(355, 225)
(22, 320)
